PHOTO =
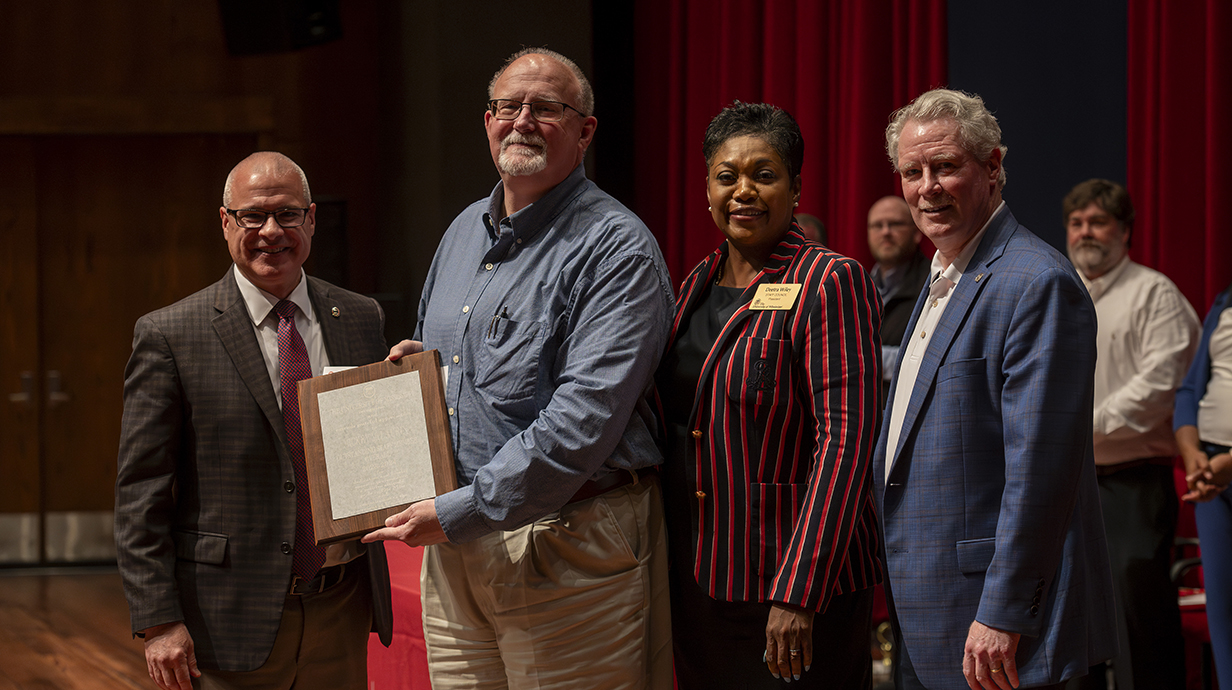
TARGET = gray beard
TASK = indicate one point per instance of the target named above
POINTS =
(1087, 257)
(517, 165)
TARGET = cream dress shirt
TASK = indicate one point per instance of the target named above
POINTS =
(915, 343)
(1146, 338)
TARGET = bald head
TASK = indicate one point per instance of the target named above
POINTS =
(269, 189)
(264, 164)
(584, 95)
(892, 235)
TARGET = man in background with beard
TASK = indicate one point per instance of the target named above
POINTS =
(1146, 339)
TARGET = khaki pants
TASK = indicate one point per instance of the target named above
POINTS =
(578, 599)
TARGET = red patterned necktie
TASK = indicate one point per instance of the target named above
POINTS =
(293, 367)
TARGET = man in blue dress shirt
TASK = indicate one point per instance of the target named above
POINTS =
(550, 303)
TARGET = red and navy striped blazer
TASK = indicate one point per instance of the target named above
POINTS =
(784, 421)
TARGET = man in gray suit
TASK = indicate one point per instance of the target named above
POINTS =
(222, 574)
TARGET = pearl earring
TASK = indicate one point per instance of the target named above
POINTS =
(710, 208)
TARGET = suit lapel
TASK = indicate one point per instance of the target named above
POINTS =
(234, 328)
(776, 266)
(337, 346)
(963, 298)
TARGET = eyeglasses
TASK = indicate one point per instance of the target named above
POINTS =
(254, 219)
(543, 111)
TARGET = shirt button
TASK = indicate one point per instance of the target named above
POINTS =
(519, 240)
(286, 548)
(450, 411)
(488, 266)
(700, 494)
(455, 359)
(466, 309)
(289, 486)
(697, 433)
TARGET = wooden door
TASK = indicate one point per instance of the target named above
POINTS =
(19, 354)
(106, 229)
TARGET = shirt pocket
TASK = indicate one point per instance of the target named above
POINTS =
(764, 369)
(507, 364)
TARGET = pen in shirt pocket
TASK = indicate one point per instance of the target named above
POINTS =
(496, 317)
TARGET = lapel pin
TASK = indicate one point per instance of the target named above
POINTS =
(335, 312)
(977, 279)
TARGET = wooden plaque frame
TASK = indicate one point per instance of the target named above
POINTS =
(329, 530)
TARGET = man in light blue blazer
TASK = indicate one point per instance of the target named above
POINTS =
(985, 480)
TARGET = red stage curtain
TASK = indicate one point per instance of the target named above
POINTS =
(1180, 97)
(404, 664)
(840, 67)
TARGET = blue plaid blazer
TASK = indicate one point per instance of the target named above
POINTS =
(991, 510)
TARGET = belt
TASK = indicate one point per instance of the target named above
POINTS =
(613, 480)
(1105, 470)
(324, 579)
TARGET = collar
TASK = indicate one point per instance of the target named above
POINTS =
(260, 303)
(886, 276)
(528, 222)
(782, 256)
(778, 261)
(1098, 286)
(887, 281)
(959, 264)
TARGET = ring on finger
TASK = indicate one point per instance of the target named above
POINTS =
(996, 670)
(794, 653)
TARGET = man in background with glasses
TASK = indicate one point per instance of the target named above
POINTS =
(213, 527)
(550, 303)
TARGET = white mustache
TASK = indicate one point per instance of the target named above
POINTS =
(519, 138)
(938, 203)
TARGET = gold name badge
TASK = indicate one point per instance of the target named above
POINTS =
(775, 297)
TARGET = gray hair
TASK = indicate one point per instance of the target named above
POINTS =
(279, 163)
(978, 131)
(586, 95)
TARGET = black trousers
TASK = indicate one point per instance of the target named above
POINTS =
(719, 644)
(1140, 506)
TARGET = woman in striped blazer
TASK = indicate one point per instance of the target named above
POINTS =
(770, 393)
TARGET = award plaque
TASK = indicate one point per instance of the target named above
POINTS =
(376, 439)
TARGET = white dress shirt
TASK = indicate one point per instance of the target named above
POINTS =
(265, 323)
(1147, 336)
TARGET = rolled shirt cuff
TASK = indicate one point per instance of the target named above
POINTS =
(458, 517)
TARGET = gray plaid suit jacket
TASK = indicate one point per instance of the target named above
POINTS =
(202, 512)
(991, 509)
